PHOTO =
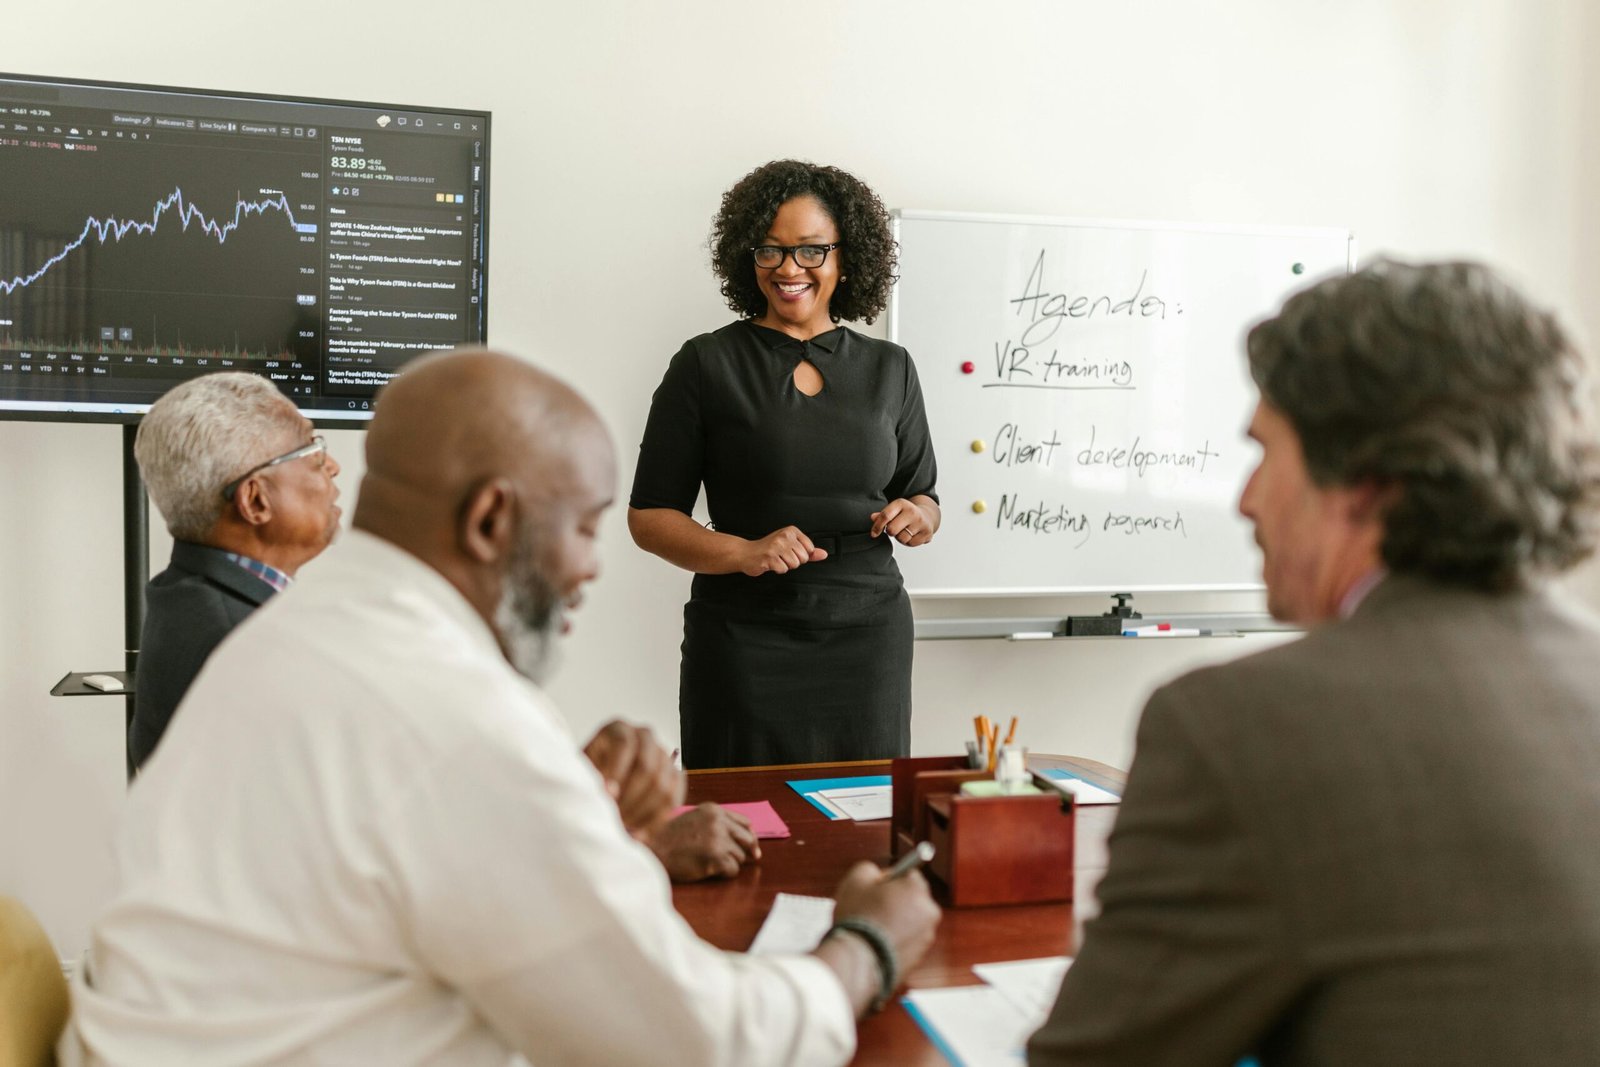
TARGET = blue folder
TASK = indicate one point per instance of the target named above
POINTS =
(932, 1033)
(1058, 773)
(808, 787)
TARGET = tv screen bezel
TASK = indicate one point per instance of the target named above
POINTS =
(320, 417)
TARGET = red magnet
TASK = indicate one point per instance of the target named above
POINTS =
(968, 367)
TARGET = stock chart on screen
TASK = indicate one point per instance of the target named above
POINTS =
(150, 235)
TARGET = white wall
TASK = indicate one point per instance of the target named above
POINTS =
(1430, 127)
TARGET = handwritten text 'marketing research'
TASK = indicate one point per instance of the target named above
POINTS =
(1057, 518)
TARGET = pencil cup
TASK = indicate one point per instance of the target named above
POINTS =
(991, 849)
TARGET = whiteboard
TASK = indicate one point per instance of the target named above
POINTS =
(1100, 368)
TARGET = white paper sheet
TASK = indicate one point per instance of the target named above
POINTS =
(1085, 793)
(828, 806)
(1031, 985)
(795, 924)
(973, 1025)
(862, 803)
(989, 1025)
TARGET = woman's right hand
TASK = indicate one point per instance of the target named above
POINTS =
(781, 552)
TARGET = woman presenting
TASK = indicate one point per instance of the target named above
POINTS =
(812, 445)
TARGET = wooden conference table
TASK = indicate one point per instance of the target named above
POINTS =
(818, 852)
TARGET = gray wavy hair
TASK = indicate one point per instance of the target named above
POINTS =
(199, 437)
(1442, 381)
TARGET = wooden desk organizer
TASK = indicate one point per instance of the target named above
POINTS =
(991, 850)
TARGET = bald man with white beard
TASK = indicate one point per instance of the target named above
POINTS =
(388, 849)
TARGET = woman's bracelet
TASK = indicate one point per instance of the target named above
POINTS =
(882, 950)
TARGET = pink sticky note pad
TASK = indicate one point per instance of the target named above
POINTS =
(764, 820)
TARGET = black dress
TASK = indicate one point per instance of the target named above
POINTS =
(813, 665)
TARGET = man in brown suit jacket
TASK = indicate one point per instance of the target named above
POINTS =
(1377, 845)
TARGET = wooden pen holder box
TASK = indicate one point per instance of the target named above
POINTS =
(989, 850)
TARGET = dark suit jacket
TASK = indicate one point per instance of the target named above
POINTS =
(192, 605)
(1379, 845)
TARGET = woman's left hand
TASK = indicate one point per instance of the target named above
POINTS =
(905, 521)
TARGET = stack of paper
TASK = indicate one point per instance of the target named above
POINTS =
(989, 1025)
(1031, 985)
(1082, 792)
(861, 803)
(864, 797)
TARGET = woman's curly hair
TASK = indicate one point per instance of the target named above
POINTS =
(868, 256)
(1442, 382)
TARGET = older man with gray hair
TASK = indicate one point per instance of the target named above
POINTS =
(247, 491)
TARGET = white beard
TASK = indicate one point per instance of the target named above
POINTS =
(528, 619)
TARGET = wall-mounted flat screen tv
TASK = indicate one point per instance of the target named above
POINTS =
(149, 235)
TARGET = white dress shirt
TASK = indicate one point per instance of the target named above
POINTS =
(367, 840)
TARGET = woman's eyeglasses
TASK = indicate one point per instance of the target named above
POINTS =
(808, 256)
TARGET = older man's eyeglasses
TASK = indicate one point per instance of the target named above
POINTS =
(808, 256)
(317, 447)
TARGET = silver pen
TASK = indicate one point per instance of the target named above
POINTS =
(922, 853)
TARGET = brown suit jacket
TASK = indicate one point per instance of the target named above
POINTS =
(1378, 845)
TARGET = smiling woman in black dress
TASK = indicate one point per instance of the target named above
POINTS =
(812, 445)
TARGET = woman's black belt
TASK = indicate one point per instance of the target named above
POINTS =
(843, 544)
(834, 544)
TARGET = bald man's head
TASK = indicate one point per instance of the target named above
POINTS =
(495, 474)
